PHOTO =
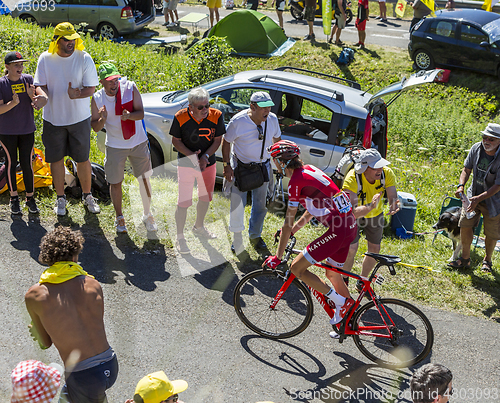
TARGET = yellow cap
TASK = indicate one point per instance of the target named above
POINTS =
(65, 30)
(156, 387)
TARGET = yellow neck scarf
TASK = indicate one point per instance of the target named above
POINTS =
(60, 272)
(53, 47)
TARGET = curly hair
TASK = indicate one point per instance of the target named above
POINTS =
(59, 245)
(430, 381)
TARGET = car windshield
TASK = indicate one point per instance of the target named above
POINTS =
(493, 30)
(178, 96)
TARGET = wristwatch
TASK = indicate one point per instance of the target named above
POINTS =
(225, 164)
(460, 184)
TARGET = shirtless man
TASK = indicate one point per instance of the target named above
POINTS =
(67, 309)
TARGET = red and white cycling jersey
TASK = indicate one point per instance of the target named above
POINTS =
(312, 188)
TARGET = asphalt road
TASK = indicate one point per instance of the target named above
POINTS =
(170, 313)
(392, 33)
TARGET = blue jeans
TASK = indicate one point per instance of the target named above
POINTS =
(259, 210)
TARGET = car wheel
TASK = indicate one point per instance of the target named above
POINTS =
(107, 31)
(348, 14)
(298, 15)
(159, 6)
(28, 18)
(157, 158)
(424, 60)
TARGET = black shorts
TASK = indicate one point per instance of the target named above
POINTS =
(72, 140)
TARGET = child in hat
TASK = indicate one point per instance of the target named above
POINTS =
(18, 98)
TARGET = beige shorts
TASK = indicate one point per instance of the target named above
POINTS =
(491, 225)
(373, 229)
(114, 163)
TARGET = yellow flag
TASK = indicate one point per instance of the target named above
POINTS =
(489, 4)
(400, 8)
(431, 6)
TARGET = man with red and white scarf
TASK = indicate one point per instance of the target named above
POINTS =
(118, 107)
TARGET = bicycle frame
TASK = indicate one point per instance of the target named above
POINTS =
(343, 328)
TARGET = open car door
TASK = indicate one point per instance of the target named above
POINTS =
(422, 77)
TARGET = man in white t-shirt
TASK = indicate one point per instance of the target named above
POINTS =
(67, 75)
(250, 132)
(118, 107)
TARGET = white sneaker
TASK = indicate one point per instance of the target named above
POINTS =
(60, 207)
(91, 204)
(171, 25)
(120, 226)
(149, 223)
(340, 312)
(334, 335)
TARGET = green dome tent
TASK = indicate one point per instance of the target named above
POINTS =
(251, 33)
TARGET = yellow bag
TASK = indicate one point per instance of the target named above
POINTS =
(41, 169)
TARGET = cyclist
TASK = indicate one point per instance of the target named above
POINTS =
(322, 199)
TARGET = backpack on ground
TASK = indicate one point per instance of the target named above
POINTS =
(100, 185)
(345, 57)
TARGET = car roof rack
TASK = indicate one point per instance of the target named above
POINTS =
(339, 96)
(351, 83)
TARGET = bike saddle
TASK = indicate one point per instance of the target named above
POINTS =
(388, 260)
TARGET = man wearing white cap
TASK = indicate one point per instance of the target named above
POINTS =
(68, 76)
(248, 136)
(365, 186)
(483, 161)
(157, 388)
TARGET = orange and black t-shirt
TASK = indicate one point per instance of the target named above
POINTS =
(197, 135)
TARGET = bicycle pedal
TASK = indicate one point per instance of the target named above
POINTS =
(379, 279)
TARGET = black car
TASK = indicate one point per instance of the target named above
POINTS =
(465, 38)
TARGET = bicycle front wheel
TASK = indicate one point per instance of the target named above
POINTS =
(252, 299)
(411, 333)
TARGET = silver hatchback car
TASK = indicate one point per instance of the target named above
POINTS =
(323, 116)
(107, 18)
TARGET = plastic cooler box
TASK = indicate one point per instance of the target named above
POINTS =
(404, 219)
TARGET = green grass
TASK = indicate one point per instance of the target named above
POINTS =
(430, 130)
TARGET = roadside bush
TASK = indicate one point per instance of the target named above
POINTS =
(207, 60)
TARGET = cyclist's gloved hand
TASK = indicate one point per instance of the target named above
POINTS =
(272, 262)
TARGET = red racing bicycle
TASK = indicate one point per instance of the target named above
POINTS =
(275, 304)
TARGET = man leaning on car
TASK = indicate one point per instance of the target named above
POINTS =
(250, 132)
(196, 134)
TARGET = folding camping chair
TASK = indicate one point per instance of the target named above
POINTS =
(452, 202)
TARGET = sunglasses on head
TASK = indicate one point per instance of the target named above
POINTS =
(201, 107)
(261, 132)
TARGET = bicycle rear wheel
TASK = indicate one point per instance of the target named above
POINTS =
(411, 333)
(252, 299)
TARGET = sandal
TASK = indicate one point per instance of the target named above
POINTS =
(487, 266)
(460, 263)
